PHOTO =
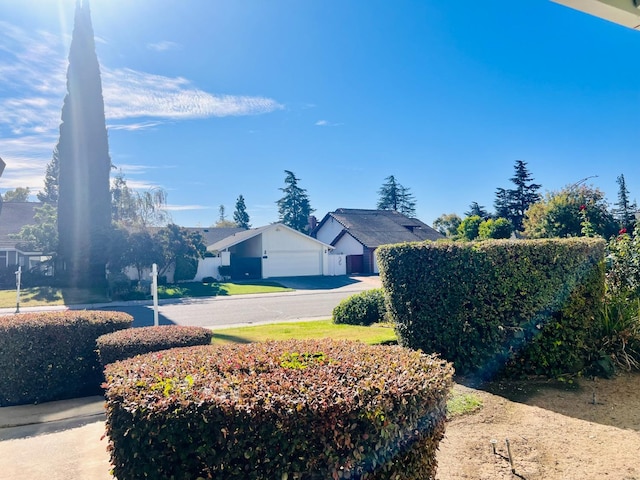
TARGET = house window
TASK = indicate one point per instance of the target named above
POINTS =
(3, 259)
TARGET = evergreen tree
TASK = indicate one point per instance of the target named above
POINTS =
(2, 165)
(394, 196)
(84, 206)
(513, 203)
(240, 215)
(50, 193)
(479, 210)
(625, 214)
(294, 207)
(501, 204)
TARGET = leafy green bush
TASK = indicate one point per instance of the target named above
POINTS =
(209, 280)
(137, 341)
(364, 308)
(496, 229)
(51, 356)
(528, 304)
(469, 227)
(277, 410)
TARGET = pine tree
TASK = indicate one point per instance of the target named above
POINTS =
(513, 203)
(394, 196)
(240, 215)
(625, 214)
(52, 173)
(479, 210)
(84, 206)
(501, 204)
(294, 207)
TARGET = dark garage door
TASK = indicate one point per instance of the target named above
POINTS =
(246, 268)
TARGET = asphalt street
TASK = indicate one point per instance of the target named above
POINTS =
(313, 301)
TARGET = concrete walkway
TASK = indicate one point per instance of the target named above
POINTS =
(59, 440)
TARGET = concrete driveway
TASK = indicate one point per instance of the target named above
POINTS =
(346, 282)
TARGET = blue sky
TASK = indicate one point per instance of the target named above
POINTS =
(210, 99)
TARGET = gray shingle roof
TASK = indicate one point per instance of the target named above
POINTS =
(14, 216)
(373, 228)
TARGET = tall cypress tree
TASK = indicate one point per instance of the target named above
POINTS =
(84, 209)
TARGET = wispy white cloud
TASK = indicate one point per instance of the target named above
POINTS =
(182, 208)
(325, 123)
(163, 46)
(132, 94)
(132, 127)
(33, 71)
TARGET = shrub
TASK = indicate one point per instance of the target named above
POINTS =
(469, 227)
(209, 280)
(119, 285)
(496, 229)
(364, 308)
(277, 410)
(51, 356)
(137, 341)
(529, 304)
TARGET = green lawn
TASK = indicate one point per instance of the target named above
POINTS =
(41, 296)
(198, 289)
(375, 334)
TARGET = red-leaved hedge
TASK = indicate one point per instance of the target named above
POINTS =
(137, 341)
(315, 409)
(51, 355)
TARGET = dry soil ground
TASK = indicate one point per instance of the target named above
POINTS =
(589, 430)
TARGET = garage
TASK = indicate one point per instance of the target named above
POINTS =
(283, 251)
(292, 264)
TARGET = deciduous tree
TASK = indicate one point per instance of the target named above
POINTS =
(447, 224)
(20, 194)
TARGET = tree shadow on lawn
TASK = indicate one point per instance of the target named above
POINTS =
(218, 338)
(614, 402)
(41, 294)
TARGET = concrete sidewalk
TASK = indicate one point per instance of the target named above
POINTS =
(60, 440)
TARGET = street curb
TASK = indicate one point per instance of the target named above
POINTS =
(22, 415)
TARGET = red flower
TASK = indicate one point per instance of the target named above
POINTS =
(622, 231)
(583, 208)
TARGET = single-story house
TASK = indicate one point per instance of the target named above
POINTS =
(356, 233)
(14, 216)
(274, 250)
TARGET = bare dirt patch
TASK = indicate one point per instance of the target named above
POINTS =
(557, 431)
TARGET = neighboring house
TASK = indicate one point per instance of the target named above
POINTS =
(208, 266)
(273, 251)
(357, 233)
(14, 216)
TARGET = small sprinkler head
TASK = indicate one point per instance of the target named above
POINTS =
(493, 445)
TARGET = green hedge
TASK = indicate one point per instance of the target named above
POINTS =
(364, 308)
(52, 356)
(527, 304)
(137, 341)
(314, 409)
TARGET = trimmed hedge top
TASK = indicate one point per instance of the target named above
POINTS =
(483, 305)
(137, 341)
(51, 355)
(273, 375)
(323, 407)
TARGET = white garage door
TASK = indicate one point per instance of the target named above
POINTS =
(292, 264)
